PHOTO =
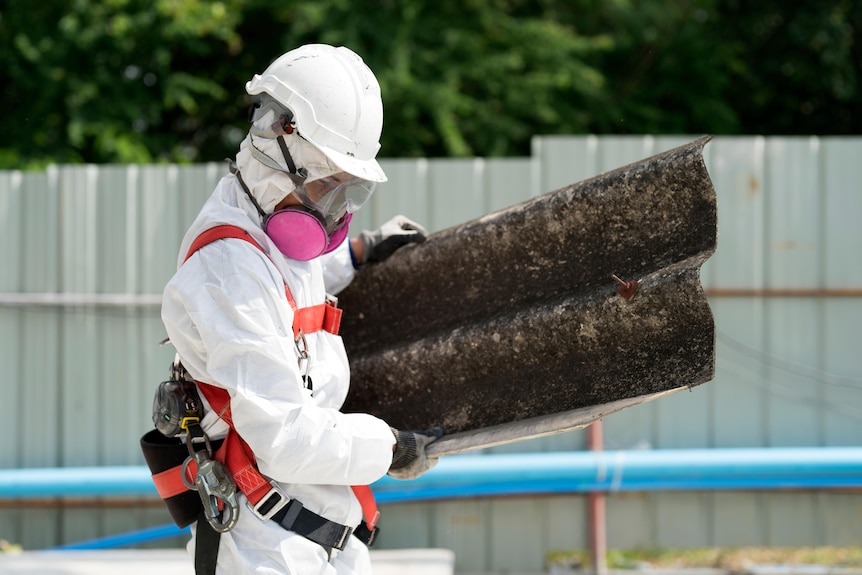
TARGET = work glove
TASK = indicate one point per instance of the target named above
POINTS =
(410, 460)
(382, 242)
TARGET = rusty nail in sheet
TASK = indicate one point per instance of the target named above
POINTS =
(627, 289)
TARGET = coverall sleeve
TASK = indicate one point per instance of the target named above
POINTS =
(338, 270)
(226, 314)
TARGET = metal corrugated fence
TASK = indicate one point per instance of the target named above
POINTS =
(87, 249)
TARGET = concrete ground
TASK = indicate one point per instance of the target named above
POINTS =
(385, 562)
(177, 562)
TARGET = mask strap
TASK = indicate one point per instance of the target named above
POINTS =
(286, 153)
(261, 157)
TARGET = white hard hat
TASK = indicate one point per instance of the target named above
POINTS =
(335, 100)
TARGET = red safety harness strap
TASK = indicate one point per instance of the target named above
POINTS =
(169, 483)
(235, 453)
(323, 316)
(366, 500)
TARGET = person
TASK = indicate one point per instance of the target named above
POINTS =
(307, 164)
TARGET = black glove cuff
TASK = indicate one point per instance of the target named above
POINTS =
(388, 246)
(406, 450)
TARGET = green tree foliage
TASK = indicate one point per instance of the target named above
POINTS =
(163, 80)
(113, 80)
(799, 69)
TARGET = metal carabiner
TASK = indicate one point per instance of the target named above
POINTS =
(177, 370)
(216, 488)
(214, 485)
(302, 353)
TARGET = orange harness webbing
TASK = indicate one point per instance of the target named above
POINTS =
(235, 452)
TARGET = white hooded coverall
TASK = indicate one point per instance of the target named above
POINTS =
(226, 314)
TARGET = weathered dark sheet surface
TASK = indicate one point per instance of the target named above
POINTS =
(516, 315)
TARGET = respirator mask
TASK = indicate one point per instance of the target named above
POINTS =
(320, 224)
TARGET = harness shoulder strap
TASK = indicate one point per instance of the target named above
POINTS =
(227, 231)
(219, 233)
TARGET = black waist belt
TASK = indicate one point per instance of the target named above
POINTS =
(293, 517)
(329, 534)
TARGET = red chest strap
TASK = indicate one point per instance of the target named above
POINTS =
(324, 316)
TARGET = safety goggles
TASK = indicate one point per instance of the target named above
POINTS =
(336, 195)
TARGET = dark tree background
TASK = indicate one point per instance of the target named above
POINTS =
(130, 81)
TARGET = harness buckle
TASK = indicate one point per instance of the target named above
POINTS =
(269, 504)
(342, 539)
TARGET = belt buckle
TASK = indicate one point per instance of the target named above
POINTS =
(266, 508)
(342, 540)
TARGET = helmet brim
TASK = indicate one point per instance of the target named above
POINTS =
(366, 169)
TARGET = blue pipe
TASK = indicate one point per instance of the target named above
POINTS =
(508, 489)
(498, 474)
(130, 538)
(609, 471)
(465, 476)
(75, 481)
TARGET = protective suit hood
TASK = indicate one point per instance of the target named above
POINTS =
(268, 186)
